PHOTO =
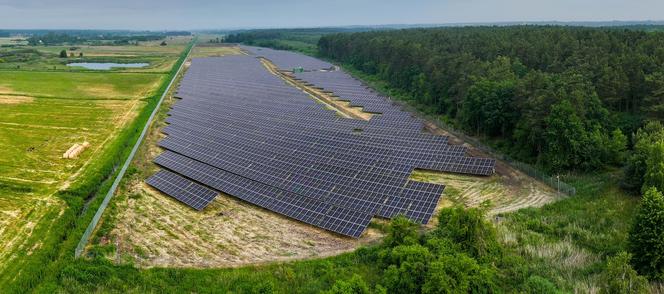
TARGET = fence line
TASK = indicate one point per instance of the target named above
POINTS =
(95, 220)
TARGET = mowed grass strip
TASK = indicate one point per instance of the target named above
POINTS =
(36, 131)
(34, 135)
(79, 85)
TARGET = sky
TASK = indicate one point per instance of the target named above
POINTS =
(229, 14)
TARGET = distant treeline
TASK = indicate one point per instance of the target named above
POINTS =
(114, 37)
(304, 40)
(563, 97)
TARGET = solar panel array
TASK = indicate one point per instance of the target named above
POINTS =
(288, 60)
(240, 130)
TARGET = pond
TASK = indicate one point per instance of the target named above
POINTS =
(107, 65)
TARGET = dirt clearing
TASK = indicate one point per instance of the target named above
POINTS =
(15, 99)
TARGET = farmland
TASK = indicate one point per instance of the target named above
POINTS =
(44, 112)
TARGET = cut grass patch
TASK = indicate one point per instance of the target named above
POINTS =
(79, 85)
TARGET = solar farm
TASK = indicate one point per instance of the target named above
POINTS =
(243, 131)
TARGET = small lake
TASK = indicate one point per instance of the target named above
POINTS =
(107, 65)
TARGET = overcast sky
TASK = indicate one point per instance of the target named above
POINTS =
(219, 14)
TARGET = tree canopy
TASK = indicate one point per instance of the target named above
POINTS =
(562, 97)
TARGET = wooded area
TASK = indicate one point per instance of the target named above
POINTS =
(566, 98)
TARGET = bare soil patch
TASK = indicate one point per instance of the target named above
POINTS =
(15, 99)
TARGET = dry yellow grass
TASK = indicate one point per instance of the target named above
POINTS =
(15, 99)
(505, 193)
(156, 230)
(214, 51)
(5, 89)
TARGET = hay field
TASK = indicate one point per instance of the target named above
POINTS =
(42, 114)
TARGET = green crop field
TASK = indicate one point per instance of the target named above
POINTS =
(81, 85)
(44, 112)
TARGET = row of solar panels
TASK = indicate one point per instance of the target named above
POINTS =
(241, 130)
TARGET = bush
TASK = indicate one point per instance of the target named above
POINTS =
(620, 277)
(401, 231)
(408, 265)
(537, 284)
(459, 273)
(356, 285)
(468, 228)
(646, 239)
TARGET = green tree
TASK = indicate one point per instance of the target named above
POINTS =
(646, 238)
(616, 148)
(401, 231)
(63, 54)
(458, 273)
(636, 168)
(488, 107)
(654, 102)
(620, 278)
(469, 230)
(356, 285)
(654, 176)
(565, 136)
(408, 265)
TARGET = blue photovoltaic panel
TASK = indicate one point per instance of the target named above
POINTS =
(243, 131)
(182, 189)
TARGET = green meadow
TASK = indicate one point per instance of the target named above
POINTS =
(43, 113)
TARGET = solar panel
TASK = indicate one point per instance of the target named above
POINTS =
(243, 131)
(182, 189)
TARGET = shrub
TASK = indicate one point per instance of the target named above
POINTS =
(407, 267)
(356, 285)
(458, 273)
(620, 277)
(468, 228)
(537, 284)
(646, 238)
(401, 231)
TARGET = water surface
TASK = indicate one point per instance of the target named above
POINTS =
(107, 65)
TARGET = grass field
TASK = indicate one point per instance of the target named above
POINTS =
(46, 58)
(42, 115)
(12, 41)
(78, 86)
